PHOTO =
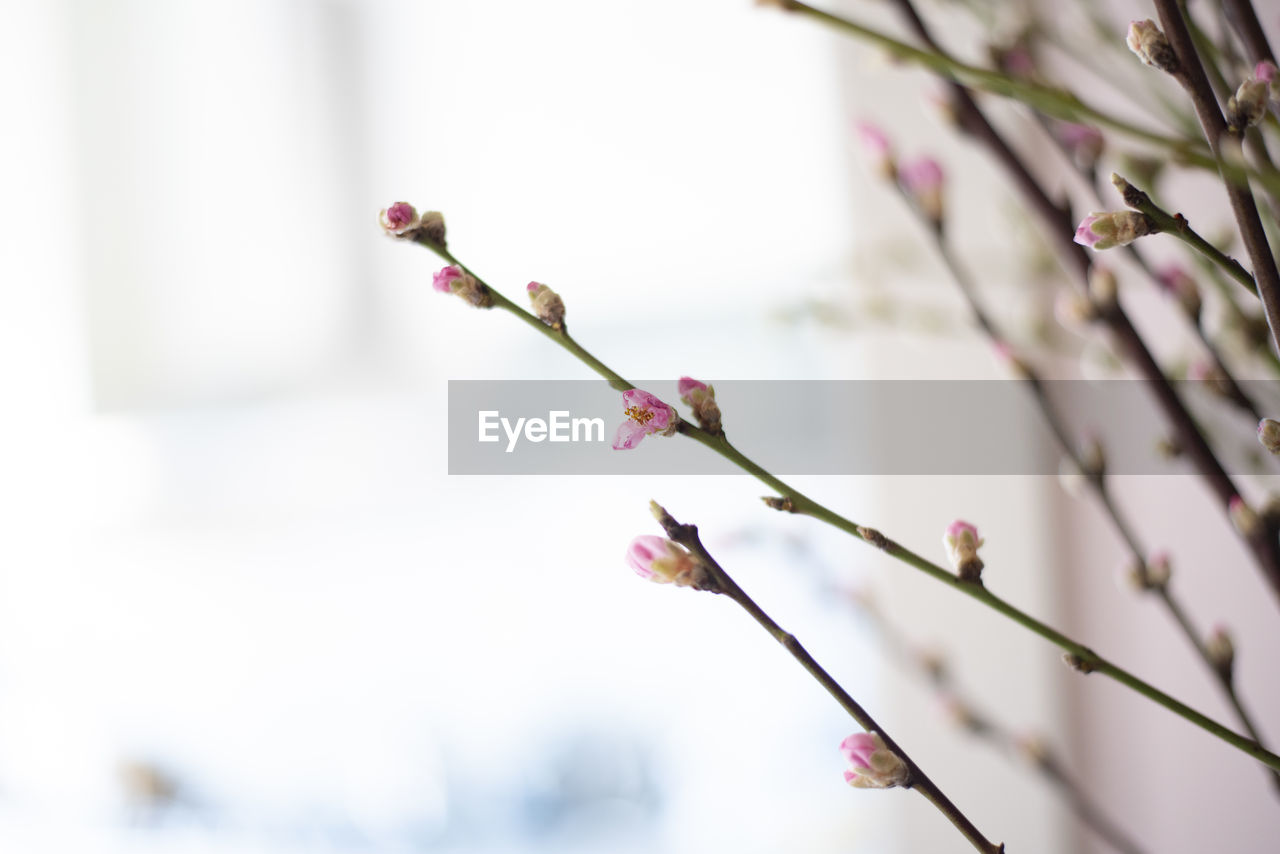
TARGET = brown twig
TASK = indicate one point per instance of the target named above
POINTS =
(1093, 474)
(1058, 222)
(687, 536)
(1191, 75)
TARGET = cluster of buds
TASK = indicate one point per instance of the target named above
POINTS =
(402, 221)
(1147, 41)
(872, 765)
(701, 398)
(1154, 574)
(1269, 434)
(1246, 521)
(1221, 651)
(663, 562)
(1178, 284)
(1104, 230)
(922, 179)
(962, 542)
(646, 415)
(455, 280)
(1249, 104)
(547, 305)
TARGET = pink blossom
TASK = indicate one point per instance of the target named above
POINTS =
(399, 219)
(1114, 228)
(646, 415)
(923, 178)
(661, 561)
(962, 543)
(872, 764)
(1265, 71)
(687, 385)
(1085, 142)
(444, 280)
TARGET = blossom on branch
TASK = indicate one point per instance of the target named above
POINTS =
(1148, 42)
(646, 415)
(872, 765)
(701, 398)
(1115, 228)
(661, 561)
(962, 542)
(455, 280)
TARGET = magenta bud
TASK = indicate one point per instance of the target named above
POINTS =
(871, 764)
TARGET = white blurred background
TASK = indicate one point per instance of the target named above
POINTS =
(244, 608)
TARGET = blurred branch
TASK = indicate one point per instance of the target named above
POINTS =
(687, 536)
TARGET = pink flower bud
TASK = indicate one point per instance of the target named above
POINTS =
(1242, 516)
(1159, 569)
(1083, 142)
(455, 280)
(922, 178)
(646, 415)
(1265, 71)
(962, 543)
(1114, 228)
(399, 219)
(1248, 105)
(661, 561)
(1147, 41)
(547, 305)
(878, 148)
(872, 765)
(1269, 434)
(1175, 282)
(701, 398)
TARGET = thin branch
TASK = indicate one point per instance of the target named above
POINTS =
(792, 500)
(1262, 542)
(1191, 75)
(1093, 474)
(980, 725)
(687, 536)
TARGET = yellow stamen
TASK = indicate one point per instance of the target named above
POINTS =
(638, 415)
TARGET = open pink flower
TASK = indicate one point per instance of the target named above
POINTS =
(646, 415)
(872, 765)
(661, 561)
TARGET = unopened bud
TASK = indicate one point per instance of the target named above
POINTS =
(1159, 570)
(399, 219)
(547, 304)
(1107, 229)
(871, 764)
(432, 228)
(1243, 517)
(878, 148)
(663, 562)
(1083, 142)
(1248, 105)
(962, 542)
(1269, 434)
(455, 280)
(1177, 284)
(1168, 448)
(1221, 650)
(1150, 45)
(923, 178)
(701, 398)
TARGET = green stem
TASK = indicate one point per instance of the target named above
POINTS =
(801, 503)
(1059, 103)
(1178, 226)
